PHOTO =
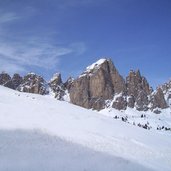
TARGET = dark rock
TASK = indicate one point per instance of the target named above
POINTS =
(120, 103)
(57, 86)
(135, 83)
(4, 78)
(158, 100)
(69, 83)
(142, 101)
(138, 90)
(156, 111)
(131, 101)
(9, 84)
(33, 83)
(16, 80)
(97, 103)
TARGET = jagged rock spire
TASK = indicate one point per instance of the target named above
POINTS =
(158, 100)
(138, 90)
(57, 87)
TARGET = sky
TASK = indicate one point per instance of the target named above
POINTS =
(49, 36)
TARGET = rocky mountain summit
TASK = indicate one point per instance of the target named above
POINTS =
(96, 85)
(102, 86)
(99, 86)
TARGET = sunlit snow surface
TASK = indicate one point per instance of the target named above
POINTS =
(34, 151)
(133, 116)
(41, 133)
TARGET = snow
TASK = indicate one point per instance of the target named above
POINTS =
(95, 65)
(52, 154)
(31, 73)
(55, 76)
(133, 116)
(155, 121)
(66, 97)
(89, 137)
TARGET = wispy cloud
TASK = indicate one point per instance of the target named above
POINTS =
(18, 54)
(42, 55)
(7, 17)
(34, 54)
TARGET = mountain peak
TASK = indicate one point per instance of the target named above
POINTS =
(56, 76)
(96, 64)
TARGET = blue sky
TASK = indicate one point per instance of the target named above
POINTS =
(48, 36)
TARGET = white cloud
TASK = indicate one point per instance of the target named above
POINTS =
(42, 55)
(18, 56)
(8, 17)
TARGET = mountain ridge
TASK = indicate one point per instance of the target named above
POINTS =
(99, 85)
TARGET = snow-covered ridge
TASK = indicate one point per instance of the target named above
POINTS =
(95, 65)
(55, 76)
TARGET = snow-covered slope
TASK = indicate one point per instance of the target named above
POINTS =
(106, 139)
(144, 119)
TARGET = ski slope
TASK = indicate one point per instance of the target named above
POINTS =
(35, 128)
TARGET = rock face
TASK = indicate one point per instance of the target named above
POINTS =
(120, 102)
(96, 85)
(158, 100)
(166, 88)
(16, 80)
(131, 101)
(33, 83)
(79, 92)
(9, 82)
(68, 83)
(57, 86)
(142, 101)
(4, 78)
(138, 90)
